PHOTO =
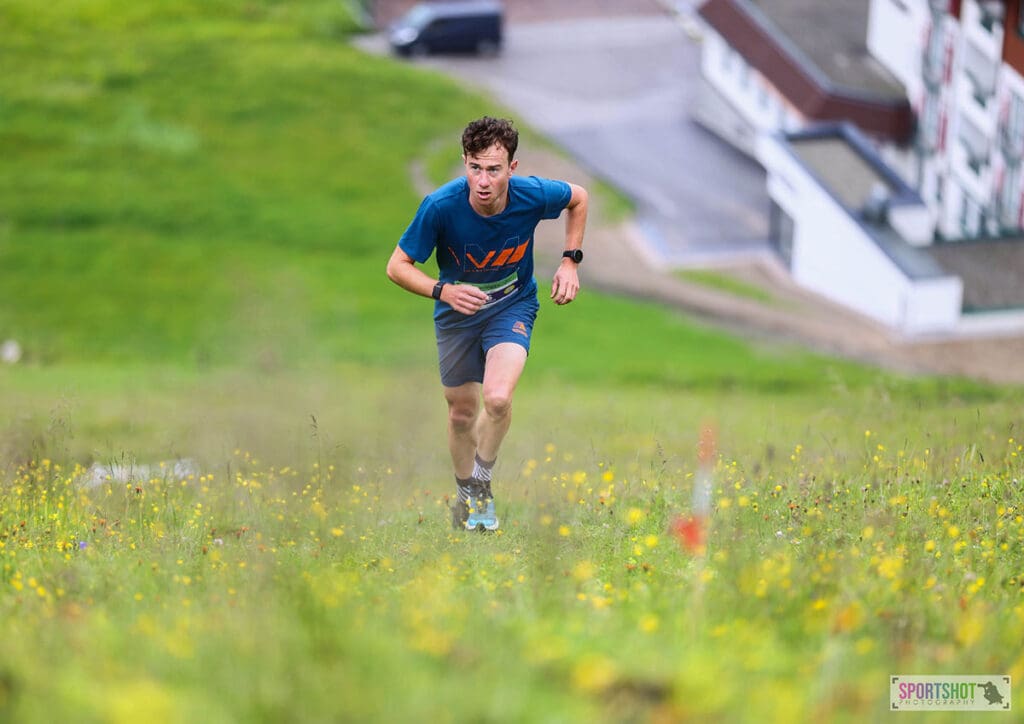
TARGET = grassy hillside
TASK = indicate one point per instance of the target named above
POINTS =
(198, 184)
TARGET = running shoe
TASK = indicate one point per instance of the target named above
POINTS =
(464, 495)
(460, 512)
(481, 509)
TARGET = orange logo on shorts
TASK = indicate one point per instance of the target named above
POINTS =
(520, 328)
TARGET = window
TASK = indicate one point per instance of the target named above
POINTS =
(1015, 124)
(781, 229)
(936, 47)
(934, 61)
(928, 135)
(970, 218)
(1009, 199)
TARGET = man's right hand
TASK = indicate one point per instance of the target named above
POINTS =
(463, 298)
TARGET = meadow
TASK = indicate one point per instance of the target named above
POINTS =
(223, 475)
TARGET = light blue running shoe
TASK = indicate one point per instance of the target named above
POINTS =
(481, 509)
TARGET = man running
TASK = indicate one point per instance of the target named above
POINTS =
(481, 227)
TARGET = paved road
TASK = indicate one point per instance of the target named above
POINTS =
(615, 93)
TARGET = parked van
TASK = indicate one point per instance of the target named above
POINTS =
(459, 26)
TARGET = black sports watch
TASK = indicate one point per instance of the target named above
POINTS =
(436, 294)
(575, 254)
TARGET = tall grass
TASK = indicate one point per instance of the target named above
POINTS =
(332, 588)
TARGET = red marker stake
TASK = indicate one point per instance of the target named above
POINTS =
(691, 532)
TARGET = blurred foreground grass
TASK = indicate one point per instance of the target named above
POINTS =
(333, 589)
(300, 566)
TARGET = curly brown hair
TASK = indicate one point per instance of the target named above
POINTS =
(483, 133)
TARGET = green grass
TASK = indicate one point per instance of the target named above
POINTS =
(302, 589)
(222, 170)
(197, 201)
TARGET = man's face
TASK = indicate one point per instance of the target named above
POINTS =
(488, 173)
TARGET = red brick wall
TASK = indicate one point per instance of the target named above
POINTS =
(1013, 43)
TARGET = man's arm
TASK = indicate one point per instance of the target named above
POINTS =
(402, 270)
(566, 282)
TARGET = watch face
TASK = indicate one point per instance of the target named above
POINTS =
(575, 254)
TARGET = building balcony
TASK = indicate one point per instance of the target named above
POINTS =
(981, 87)
(971, 169)
(970, 156)
(982, 25)
(977, 102)
(981, 70)
(992, 14)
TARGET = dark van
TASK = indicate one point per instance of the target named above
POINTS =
(466, 26)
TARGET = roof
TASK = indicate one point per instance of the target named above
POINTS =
(816, 54)
(992, 271)
(848, 164)
(833, 38)
(851, 171)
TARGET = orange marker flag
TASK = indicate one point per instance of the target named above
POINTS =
(691, 532)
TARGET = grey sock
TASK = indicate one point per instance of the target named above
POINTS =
(465, 488)
(482, 469)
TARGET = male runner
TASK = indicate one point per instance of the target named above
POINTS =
(481, 227)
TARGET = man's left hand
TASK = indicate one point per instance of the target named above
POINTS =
(566, 283)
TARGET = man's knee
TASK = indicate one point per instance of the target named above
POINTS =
(462, 410)
(497, 403)
(461, 419)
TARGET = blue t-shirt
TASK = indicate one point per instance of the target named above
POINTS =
(494, 253)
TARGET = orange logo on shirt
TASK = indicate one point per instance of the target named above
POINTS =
(520, 328)
(496, 259)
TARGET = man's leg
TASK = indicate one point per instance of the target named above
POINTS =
(505, 364)
(463, 406)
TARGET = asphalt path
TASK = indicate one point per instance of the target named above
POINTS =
(616, 94)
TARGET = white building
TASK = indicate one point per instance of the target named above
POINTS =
(784, 65)
(896, 205)
(840, 219)
(963, 78)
